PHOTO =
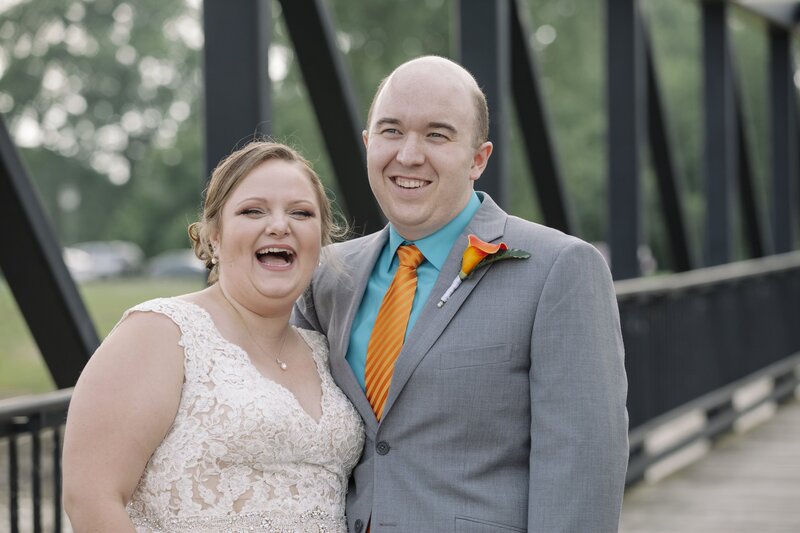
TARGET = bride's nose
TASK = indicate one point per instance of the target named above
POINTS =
(277, 225)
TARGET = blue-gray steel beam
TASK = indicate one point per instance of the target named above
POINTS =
(666, 175)
(625, 95)
(236, 74)
(719, 135)
(31, 261)
(334, 102)
(483, 48)
(782, 128)
(796, 147)
(534, 123)
(751, 221)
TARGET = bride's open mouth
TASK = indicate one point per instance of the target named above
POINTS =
(273, 256)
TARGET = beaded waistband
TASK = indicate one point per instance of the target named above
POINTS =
(315, 520)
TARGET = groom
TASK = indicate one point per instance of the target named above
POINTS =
(504, 408)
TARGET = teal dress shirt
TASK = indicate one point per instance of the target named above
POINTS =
(435, 247)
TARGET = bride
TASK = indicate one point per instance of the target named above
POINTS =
(208, 411)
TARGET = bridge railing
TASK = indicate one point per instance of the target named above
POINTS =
(30, 446)
(694, 340)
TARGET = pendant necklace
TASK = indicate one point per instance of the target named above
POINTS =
(278, 361)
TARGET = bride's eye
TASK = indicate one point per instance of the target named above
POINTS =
(302, 214)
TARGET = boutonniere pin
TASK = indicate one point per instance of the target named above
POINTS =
(479, 254)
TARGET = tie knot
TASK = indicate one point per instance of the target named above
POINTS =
(410, 256)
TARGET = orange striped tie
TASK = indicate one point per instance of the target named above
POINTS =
(389, 331)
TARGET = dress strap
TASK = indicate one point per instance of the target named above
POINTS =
(194, 322)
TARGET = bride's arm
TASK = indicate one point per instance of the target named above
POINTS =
(122, 407)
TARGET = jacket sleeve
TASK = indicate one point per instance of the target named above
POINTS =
(579, 423)
(304, 313)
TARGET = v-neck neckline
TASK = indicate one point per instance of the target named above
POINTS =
(252, 367)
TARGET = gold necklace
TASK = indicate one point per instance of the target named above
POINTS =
(278, 361)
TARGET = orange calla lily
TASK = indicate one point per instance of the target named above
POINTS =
(475, 252)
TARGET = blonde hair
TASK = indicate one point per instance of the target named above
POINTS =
(229, 174)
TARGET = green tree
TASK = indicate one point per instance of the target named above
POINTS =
(102, 97)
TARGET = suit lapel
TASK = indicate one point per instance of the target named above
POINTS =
(362, 261)
(488, 224)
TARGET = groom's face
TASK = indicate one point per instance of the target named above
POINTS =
(422, 157)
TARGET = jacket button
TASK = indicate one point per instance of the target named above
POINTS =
(382, 448)
(359, 525)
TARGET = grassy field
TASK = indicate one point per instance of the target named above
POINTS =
(22, 369)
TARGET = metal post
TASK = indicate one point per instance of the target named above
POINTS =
(57, 478)
(13, 484)
(625, 104)
(484, 49)
(720, 160)
(236, 72)
(781, 93)
(34, 426)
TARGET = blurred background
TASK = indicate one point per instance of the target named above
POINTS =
(104, 102)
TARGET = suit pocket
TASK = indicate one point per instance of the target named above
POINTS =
(465, 524)
(481, 355)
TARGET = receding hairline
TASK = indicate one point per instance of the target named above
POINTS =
(469, 81)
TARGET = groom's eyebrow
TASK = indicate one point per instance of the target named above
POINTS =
(431, 125)
(387, 120)
(442, 126)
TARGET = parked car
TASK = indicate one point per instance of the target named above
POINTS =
(79, 264)
(176, 264)
(103, 259)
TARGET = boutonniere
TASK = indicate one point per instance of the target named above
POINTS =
(479, 254)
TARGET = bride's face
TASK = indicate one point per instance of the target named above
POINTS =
(270, 235)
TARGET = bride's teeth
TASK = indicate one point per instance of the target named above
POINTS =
(275, 251)
(409, 183)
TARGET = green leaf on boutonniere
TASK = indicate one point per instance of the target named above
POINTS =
(477, 254)
(513, 253)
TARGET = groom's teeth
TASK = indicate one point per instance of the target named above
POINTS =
(408, 183)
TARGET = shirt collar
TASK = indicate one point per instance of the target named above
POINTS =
(436, 246)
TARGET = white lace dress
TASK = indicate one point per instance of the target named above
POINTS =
(242, 454)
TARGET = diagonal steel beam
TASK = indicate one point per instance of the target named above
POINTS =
(31, 260)
(535, 126)
(334, 102)
(751, 221)
(666, 175)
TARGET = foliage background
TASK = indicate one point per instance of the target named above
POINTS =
(104, 101)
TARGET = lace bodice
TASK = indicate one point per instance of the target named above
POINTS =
(242, 454)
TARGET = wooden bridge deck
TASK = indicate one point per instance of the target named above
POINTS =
(748, 483)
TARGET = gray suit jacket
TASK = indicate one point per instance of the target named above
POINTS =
(506, 410)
